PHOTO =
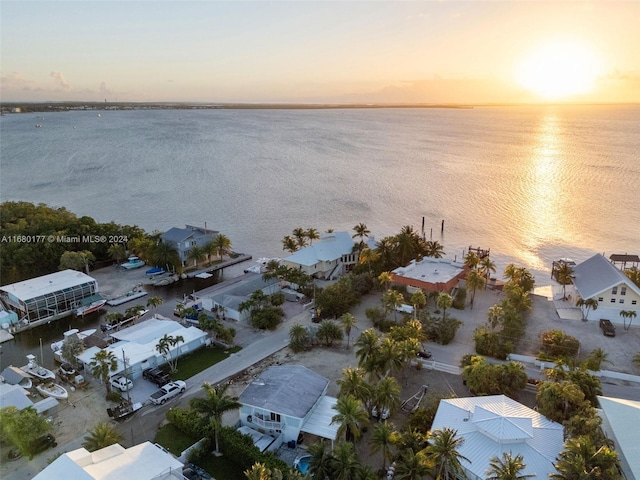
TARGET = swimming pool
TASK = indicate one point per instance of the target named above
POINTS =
(302, 463)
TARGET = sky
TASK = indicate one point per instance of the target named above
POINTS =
(447, 51)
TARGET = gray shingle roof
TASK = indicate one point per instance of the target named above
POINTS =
(286, 389)
(597, 274)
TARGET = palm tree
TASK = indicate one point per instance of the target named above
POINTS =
(298, 337)
(258, 471)
(385, 250)
(367, 346)
(442, 453)
(353, 383)
(289, 244)
(300, 234)
(164, 255)
(382, 439)
(351, 416)
(582, 459)
(596, 358)
(418, 300)
(411, 465)
(368, 256)
(312, 234)
(628, 314)
(362, 232)
(165, 347)
(590, 303)
(101, 364)
(474, 281)
(636, 360)
(444, 301)
(392, 299)
(487, 267)
(634, 276)
(387, 395)
(348, 321)
(389, 357)
(213, 405)
(101, 436)
(495, 316)
(196, 254)
(222, 244)
(507, 468)
(117, 252)
(434, 249)
(155, 302)
(407, 241)
(384, 279)
(345, 463)
(320, 463)
(471, 260)
(564, 274)
(209, 249)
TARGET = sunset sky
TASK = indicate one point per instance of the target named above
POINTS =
(320, 51)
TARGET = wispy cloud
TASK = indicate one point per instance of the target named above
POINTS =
(61, 83)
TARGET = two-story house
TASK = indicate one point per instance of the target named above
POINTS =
(182, 239)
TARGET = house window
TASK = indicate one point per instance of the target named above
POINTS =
(614, 291)
(633, 302)
(275, 417)
(613, 300)
(623, 290)
(600, 299)
(621, 300)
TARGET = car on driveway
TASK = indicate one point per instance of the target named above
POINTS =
(121, 383)
(168, 391)
(608, 330)
(424, 354)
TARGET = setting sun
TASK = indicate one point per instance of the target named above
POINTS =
(559, 70)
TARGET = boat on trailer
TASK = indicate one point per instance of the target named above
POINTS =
(92, 307)
(36, 371)
(54, 390)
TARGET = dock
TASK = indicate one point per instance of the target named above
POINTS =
(220, 266)
(126, 298)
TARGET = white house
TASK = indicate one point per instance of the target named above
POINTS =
(599, 279)
(287, 400)
(617, 415)
(328, 258)
(495, 424)
(137, 345)
(142, 462)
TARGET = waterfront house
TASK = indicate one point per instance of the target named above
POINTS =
(182, 239)
(144, 461)
(136, 345)
(49, 297)
(495, 424)
(16, 396)
(430, 275)
(617, 415)
(599, 279)
(328, 258)
(287, 400)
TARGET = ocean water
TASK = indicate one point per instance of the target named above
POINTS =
(533, 184)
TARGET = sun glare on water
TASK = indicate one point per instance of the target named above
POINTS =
(559, 70)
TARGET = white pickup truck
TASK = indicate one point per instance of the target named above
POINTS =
(168, 391)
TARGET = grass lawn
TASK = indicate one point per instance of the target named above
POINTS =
(177, 442)
(200, 360)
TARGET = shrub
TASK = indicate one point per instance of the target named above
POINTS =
(187, 421)
(240, 450)
(441, 331)
(362, 283)
(492, 344)
(485, 379)
(558, 345)
(267, 318)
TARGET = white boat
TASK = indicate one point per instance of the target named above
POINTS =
(92, 307)
(56, 346)
(133, 262)
(54, 390)
(35, 370)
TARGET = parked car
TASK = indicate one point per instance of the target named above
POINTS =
(608, 330)
(43, 443)
(424, 354)
(157, 376)
(203, 474)
(168, 391)
(121, 383)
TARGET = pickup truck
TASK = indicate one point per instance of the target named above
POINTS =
(157, 376)
(121, 383)
(607, 328)
(168, 391)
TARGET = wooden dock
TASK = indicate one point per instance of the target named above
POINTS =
(220, 266)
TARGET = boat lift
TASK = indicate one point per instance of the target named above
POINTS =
(410, 405)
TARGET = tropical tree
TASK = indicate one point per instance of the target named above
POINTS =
(367, 346)
(352, 383)
(348, 321)
(209, 249)
(387, 395)
(320, 466)
(382, 439)
(384, 280)
(564, 274)
(588, 304)
(351, 417)
(634, 276)
(474, 281)
(628, 315)
(258, 471)
(411, 465)
(71, 348)
(166, 256)
(487, 267)
(442, 452)
(101, 436)
(117, 252)
(289, 244)
(155, 302)
(582, 459)
(472, 260)
(596, 358)
(102, 364)
(367, 257)
(196, 255)
(298, 338)
(222, 244)
(389, 357)
(434, 249)
(418, 300)
(495, 316)
(165, 347)
(507, 468)
(213, 405)
(22, 427)
(362, 232)
(391, 300)
(444, 301)
(300, 234)
(344, 462)
(77, 260)
(636, 360)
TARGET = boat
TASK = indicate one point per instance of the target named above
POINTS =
(14, 376)
(154, 271)
(50, 389)
(35, 370)
(123, 409)
(166, 280)
(56, 346)
(133, 262)
(92, 307)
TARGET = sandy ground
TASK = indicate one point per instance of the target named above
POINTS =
(86, 407)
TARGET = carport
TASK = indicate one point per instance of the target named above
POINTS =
(319, 422)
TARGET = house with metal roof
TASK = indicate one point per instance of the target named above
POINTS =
(182, 239)
(49, 297)
(286, 400)
(16, 396)
(617, 415)
(430, 274)
(328, 258)
(145, 461)
(599, 279)
(495, 424)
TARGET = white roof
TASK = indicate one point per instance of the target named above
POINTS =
(319, 422)
(621, 414)
(142, 462)
(14, 395)
(597, 274)
(46, 284)
(329, 247)
(495, 424)
(431, 270)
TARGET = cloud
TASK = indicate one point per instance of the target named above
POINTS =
(61, 83)
(104, 91)
(16, 81)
